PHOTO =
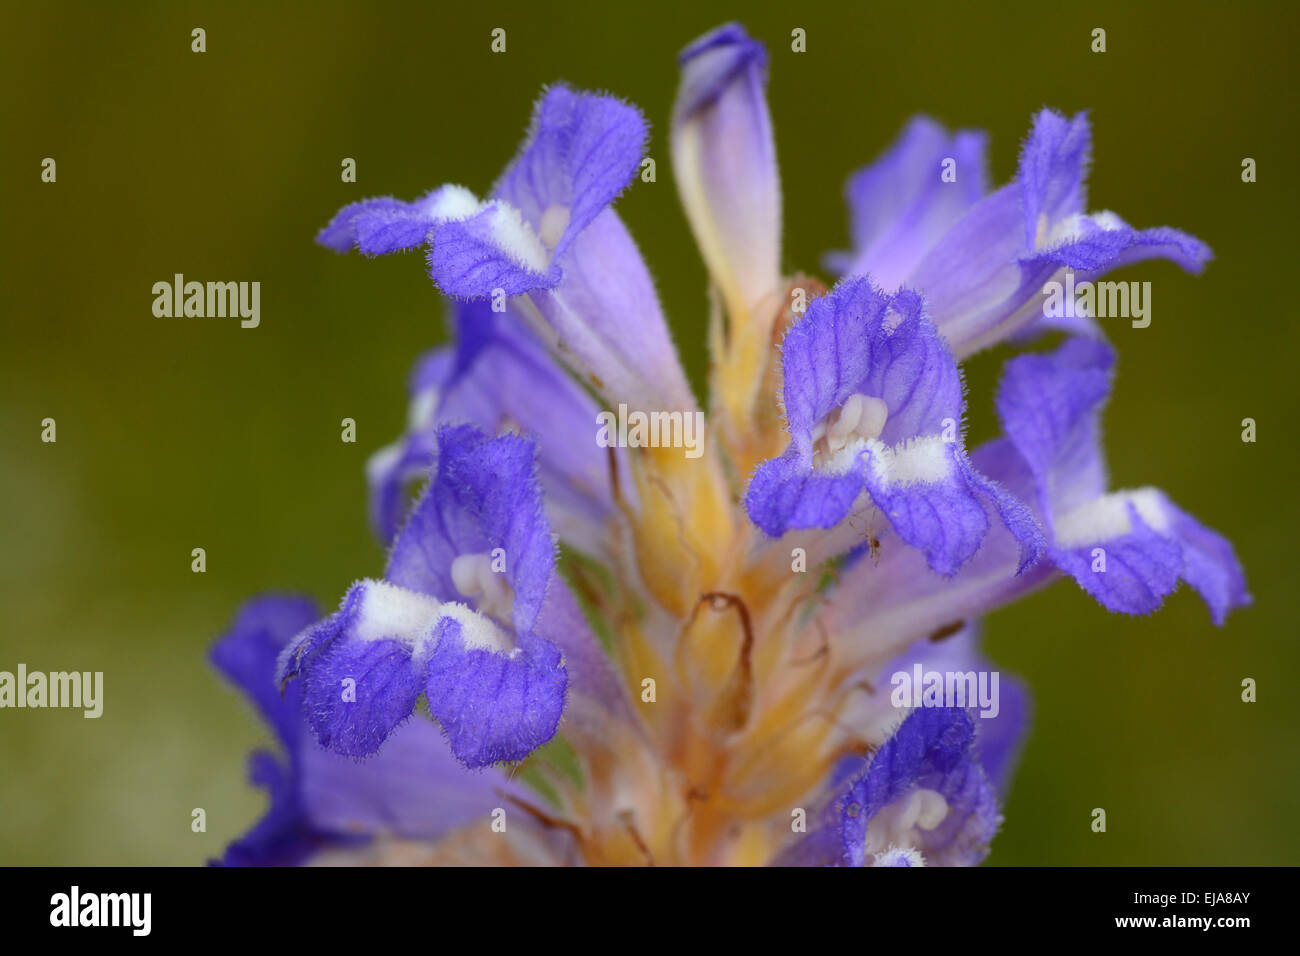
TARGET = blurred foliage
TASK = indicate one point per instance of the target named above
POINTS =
(175, 434)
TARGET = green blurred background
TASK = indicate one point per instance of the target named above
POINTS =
(175, 434)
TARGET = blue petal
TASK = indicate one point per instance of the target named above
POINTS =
(1141, 568)
(1098, 244)
(358, 691)
(246, 655)
(900, 207)
(1053, 171)
(931, 749)
(1210, 564)
(499, 377)
(785, 493)
(859, 340)
(495, 706)
(384, 225)
(341, 233)
(940, 515)
(484, 496)
(581, 151)
(1149, 545)
(491, 253)
(1049, 407)
(359, 679)
(983, 280)
(943, 515)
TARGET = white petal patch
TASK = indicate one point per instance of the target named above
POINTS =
(516, 238)
(389, 611)
(477, 631)
(1076, 226)
(915, 461)
(509, 231)
(451, 203)
(1107, 517)
(394, 613)
(899, 856)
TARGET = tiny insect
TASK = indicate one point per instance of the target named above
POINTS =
(873, 542)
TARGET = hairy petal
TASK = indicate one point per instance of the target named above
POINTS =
(983, 281)
(872, 372)
(1127, 549)
(379, 226)
(494, 706)
(484, 500)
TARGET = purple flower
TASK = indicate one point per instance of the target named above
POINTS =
(549, 237)
(1128, 549)
(981, 263)
(874, 405)
(456, 618)
(922, 798)
(696, 652)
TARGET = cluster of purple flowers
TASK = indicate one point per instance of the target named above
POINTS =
(585, 654)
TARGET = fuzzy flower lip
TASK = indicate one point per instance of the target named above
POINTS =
(580, 153)
(496, 686)
(874, 404)
(1050, 407)
(548, 234)
(385, 225)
